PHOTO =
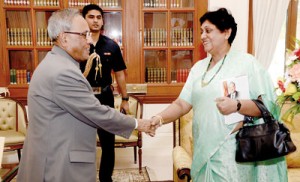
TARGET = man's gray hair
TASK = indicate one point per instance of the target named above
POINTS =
(61, 21)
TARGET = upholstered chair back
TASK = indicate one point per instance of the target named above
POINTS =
(13, 124)
(4, 92)
(134, 109)
(11, 112)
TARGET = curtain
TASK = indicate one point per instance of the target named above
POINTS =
(268, 17)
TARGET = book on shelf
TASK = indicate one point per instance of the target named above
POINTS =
(155, 37)
(46, 2)
(181, 36)
(20, 76)
(102, 3)
(17, 2)
(155, 3)
(18, 36)
(235, 88)
(181, 75)
(155, 75)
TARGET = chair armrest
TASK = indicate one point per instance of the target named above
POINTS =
(182, 162)
(22, 119)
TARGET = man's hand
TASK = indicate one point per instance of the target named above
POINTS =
(144, 125)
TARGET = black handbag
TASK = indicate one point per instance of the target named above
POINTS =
(268, 140)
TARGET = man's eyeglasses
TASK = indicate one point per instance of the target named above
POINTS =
(83, 34)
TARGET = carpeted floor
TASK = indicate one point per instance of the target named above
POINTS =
(130, 175)
(126, 175)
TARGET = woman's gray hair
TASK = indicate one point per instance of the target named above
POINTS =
(61, 21)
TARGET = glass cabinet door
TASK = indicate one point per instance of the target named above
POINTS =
(42, 37)
(169, 28)
(156, 66)
(182, 29)
(180, 65)
(41, 55)
(19, 32)
(21, 66)
(155, 29)
(113, 26)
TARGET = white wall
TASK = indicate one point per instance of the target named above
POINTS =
(240, 11)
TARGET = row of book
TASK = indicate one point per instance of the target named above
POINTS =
(19, 36)
(20, 76)
(101, 3)
(179, 75)
(108, 3)
(152, 37)
(158, 37)
(182, 36)
(43, 38)
(46, 2)
(74, 3)
(22, 36)
(155, 37)
(159, 75)
(16, 2)
(156, 75)
(36, 2)
(181, 3)
(163, 3)
(155, 3)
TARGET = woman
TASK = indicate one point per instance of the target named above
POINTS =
(214, 141)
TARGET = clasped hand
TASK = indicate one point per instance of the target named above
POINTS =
(148, 126)
(145, 125)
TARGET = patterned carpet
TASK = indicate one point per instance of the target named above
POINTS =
(130, 175)
(126, 175)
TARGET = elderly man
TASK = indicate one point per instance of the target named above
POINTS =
(64, 114)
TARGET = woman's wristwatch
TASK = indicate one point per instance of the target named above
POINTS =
(238, 105)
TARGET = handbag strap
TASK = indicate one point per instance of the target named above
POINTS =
(265, 114)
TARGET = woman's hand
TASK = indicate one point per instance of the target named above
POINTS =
(226, 105)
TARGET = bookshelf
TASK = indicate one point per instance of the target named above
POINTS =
(144, 29)
(170, 43)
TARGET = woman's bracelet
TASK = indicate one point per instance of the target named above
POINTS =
(161, 120)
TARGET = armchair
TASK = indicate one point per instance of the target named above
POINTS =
(183, 148)
(13, 124)
(4, 92)
(135, 140)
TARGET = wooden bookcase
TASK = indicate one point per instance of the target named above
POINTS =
(170, 44)
(25, 43)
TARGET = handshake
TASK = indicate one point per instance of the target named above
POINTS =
(149, 126)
